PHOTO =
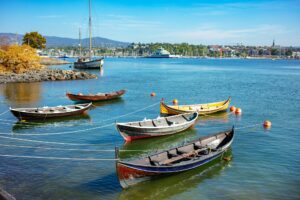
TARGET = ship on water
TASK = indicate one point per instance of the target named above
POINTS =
(162, 53)
(88, 62)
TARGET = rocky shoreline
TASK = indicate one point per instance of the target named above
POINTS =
(52, 61)
(45, 75)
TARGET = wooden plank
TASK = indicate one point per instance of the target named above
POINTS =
(179, 157)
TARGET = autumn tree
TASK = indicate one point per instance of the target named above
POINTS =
(35, 40)
(19, 59)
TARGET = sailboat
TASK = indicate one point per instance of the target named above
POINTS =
(88, 62)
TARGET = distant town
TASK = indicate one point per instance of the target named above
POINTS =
(183, 50)
(103, 47)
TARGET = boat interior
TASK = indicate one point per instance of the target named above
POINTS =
(58, 109)
(187, 153)
(164, 121)
(198, 107)
(100, 94)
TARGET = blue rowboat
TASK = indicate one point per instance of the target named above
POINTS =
(183, 158)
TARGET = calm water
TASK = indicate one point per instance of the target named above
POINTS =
(265, 164)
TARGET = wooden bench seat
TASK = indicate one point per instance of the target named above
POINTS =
(180, 157)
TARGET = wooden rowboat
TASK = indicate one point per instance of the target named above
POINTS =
(183, 158)
(95, 97)
(202, 109)
(156, 127)
(44, 113)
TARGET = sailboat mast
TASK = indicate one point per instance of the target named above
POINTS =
(90, 29)
(80, 43)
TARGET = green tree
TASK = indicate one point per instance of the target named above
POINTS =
(289, 52)
(274, 52)
(35, 40)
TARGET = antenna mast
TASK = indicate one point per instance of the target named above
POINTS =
(90, 29)
(80, 42)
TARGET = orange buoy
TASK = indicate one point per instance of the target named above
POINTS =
(232, 109)
(175, 101)
(152, 94)
(238, 111)
(267, 124)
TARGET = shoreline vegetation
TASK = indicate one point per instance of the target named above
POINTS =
(21, 63)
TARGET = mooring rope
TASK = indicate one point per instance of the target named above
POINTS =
(130, 113)
(55, 125)
(250, 126)
(53, 148)
(4, 112)
(58, 133)
(113, 118)
(82, 130)
(59, 158)
(47, 142)
(64, 149)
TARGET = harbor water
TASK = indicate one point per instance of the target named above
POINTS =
(62, 159)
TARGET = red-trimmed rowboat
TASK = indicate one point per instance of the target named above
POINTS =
(183, 158)
(156, 127)
(95, 97)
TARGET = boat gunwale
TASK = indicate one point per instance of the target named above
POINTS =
(160, 127)
(86, 106)
(96, 60)
(218, 102)
(207, 110)
(220, 150)
(205, 159)
(95, 95)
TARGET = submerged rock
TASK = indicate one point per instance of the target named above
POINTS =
(45, 75)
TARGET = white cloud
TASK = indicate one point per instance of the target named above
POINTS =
(130, 29)
(210, 34)
(121, 22)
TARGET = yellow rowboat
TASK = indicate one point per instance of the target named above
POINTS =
(202, 109)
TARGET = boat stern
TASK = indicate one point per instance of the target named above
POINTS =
(129, 176)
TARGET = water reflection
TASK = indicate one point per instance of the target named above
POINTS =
(65, 121)
(217, 117)
(145, 146)
(21, 93)
(166, 187)
(112, 101)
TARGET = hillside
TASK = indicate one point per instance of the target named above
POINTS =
(53, 41)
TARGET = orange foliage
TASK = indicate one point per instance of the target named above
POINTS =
(18, 59)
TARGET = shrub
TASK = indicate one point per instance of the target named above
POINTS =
(18, 59)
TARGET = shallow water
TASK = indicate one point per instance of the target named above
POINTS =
(265, 163)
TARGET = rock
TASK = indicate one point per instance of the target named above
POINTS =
(45, 75)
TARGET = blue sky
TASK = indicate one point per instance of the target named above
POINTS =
(193, 21)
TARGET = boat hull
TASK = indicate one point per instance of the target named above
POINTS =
(130, 133)
(92, 98)
(202, 109)
(23, 115)
(131, 173)
(93, 64)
